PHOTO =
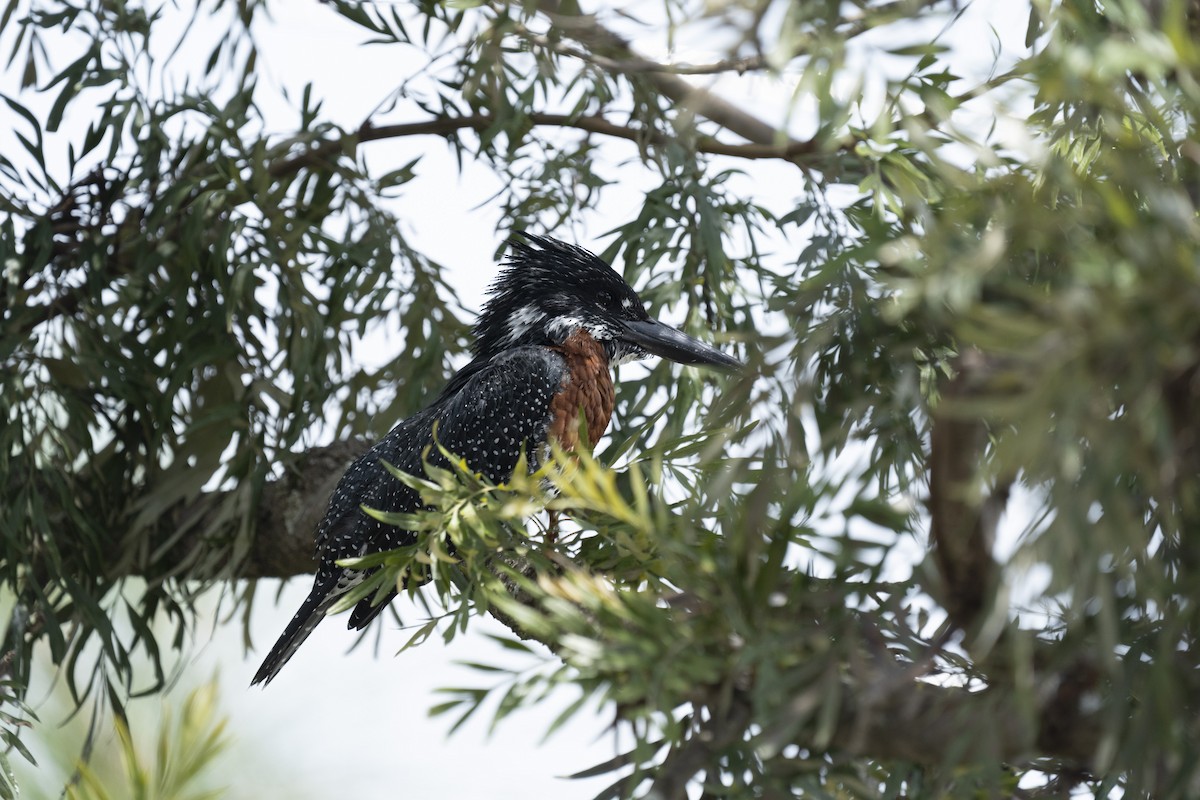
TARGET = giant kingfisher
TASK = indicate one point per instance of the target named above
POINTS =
(557, 318)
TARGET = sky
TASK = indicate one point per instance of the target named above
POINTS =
(338, 723)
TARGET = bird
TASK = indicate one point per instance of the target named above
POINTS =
(556, 319)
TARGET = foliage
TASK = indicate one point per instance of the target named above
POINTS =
(980, 300)
(16, 717)
(185, 749)
(177, 317)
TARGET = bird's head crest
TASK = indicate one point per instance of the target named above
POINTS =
(548, 289)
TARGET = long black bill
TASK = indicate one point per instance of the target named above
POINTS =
(663, 340)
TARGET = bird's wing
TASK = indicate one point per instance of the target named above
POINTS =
(501, 410)
(502, 407)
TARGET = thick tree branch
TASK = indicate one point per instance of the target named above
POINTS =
(886, 715)
(601, 42)
(288, 513)
(962, 519)
(292, 507)
(725, 726)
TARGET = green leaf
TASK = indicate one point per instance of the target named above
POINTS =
(9, 790)
(925, 49)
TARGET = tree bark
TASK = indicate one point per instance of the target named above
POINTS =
(288, 513)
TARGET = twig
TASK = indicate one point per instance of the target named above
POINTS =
(722, 729)
(321, 154)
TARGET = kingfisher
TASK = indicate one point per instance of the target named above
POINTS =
(556, 320)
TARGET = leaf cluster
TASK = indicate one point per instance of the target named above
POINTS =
(178, 314)
(184, 754)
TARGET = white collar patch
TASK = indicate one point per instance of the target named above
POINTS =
(522, 321)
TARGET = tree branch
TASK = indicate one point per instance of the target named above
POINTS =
(925, 724)
(288, 513)
(603, 43)
(604, 47)
(585, 27)
(322, 154)
(292, 507)
(962, 520)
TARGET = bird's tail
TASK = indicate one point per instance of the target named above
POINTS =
(322, 597)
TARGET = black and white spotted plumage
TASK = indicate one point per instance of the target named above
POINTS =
(500, 407)
(493, 409)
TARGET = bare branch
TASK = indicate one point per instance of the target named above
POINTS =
(603, 43)
(323, 154)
